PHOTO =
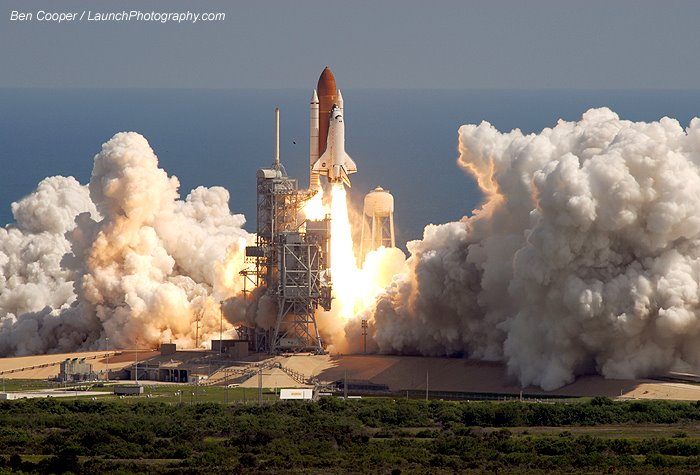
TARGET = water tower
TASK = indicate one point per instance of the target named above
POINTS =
(377, 221)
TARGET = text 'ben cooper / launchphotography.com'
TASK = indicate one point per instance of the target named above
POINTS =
(115, 16)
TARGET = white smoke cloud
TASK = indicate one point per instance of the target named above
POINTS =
(34, 286)
(585, 255)
(128, 262)
(31, 250)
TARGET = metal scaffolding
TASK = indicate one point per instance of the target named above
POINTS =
(291, 260)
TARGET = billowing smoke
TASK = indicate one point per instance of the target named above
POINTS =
(34, 286)
(584, 257)
(122, 260)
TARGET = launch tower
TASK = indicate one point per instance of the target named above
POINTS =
(291, 259)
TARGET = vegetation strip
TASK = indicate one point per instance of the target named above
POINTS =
(355, 436)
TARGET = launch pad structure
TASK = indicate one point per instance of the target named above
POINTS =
(290, 264)
(290, 260)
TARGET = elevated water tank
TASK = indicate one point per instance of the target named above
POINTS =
(379, 202)
(377, 222)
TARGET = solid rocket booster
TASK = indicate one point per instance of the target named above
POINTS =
(339, 100)
(314, 179)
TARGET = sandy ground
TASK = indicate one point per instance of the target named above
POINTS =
(47, 366)
(452, 374)
(662, 390)
(405, 373)
(273, 378)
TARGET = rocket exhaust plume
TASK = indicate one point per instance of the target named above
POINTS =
(584, 257)
(355, 288)
(122, 259)
(344, 269)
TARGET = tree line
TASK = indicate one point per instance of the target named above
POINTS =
(338, 436)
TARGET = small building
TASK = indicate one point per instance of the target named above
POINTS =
(75, 369)
(168, 349)
(198, 378)
(296, 394)
(360, 385)
(128, 390)
(171, 375)
(232, 348)
(180, 367)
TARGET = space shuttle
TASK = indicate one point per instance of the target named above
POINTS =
(327, 129)
(335, 163)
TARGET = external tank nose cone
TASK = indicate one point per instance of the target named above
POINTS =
(326, 83)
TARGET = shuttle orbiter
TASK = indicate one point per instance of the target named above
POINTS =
(335, 163)
(327, 132)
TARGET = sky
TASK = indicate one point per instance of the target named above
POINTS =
(497, 44)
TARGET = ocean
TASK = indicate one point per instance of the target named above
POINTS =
(402, 140)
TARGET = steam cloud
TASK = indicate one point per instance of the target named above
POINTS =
(584, 257)
(121, 259)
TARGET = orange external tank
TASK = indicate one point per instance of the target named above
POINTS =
(327, 96)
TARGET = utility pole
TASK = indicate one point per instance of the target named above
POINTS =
(196, 328)
(426, 384)
(107, 359)
(260, 398)
(364, 334)
(226, 386)
(221, 329)
(345, 385)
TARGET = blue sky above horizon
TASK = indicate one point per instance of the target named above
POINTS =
(539, 44)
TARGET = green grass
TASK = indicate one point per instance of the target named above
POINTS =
(18, 385)
(174, 394)
(190, 394)
(615, 431)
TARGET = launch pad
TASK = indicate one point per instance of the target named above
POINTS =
(291, 260)
(289, 266)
